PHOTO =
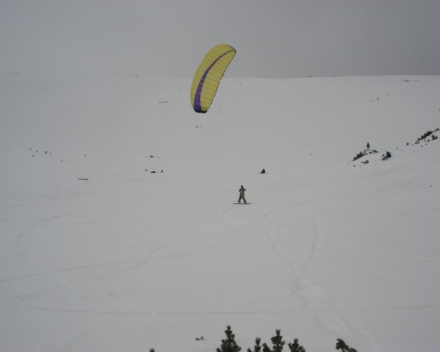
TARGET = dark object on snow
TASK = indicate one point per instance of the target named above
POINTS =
(153, 172)
(425, 135)
(365, 162)
(263, 171)
(386, 156)
(241, 191)
(341, 345)
(364, 152)
(358, 155)
(200, 338)
(83, 179)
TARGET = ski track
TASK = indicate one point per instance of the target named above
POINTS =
(68, 343)
(55, 273)
(381, 253)
(80, 268)
(58, 275)
(301, 280)
(314, 299)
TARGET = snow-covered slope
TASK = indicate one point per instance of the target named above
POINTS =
(98, 253)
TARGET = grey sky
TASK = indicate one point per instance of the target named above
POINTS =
(273, 38)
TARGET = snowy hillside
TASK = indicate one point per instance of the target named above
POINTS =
(118, 230)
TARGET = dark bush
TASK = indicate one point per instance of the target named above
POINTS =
(425, 135)
(341, 345)
(229, 344)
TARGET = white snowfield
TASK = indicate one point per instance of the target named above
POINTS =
(98, 253)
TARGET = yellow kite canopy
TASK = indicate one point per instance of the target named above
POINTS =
(208, 75)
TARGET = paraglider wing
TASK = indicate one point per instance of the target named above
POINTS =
(208, 75)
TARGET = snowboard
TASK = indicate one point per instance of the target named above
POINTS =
(242, 203)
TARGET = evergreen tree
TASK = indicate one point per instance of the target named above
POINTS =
(296, 347)
(257, 347)
(229, 344)
(277, 342)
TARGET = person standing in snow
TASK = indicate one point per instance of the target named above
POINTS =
(241, 192)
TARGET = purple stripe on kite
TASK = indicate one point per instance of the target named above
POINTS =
(197, 102)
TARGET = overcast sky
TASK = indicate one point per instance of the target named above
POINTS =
(273, 38)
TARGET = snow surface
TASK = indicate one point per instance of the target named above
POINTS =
(97, 253)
